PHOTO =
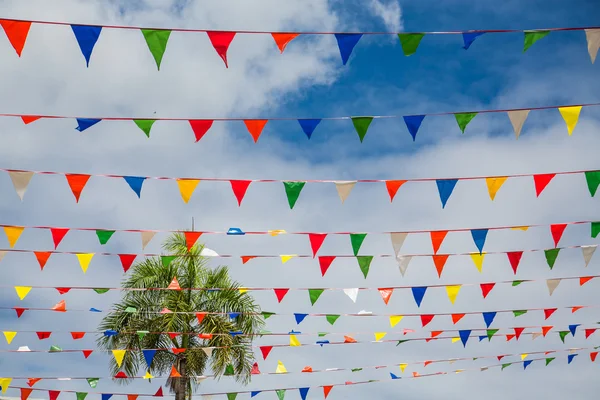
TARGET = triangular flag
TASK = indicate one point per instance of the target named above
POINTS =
(457, 317)
(364, 263)
(552, 284)
(437, 237)
(331, 318)
(292, 191)
(119, 355)
(280, 294)
(346, 43)
(86, 353)
(77, 182)
(16, 32)
(398, 239)
(9, 336)
(299, 317)
(464, 336)
(200, 127)
(25, 392)
(22, 291)
(239, 189)
(531, 37)
(135, 183)
(548, 312)
(303, 392)
(326, 390)
(294, 342)
(283, 39)
(490, 334)
(403, 262)
(174, 373)
(557, 231)
(549, 360)
(410, 42)
(379, 336)
(541, 181)
(592, 179)
(386, 294)
(42, 258)
(316, 240)
(584, 279)
(255, 127)
(570, 358)
(588, 252)
(361, 125)
(265, 350)
(127, 260)
(395, 319)
(589, 332)
(518, 332)
(426, 319)
(285, 258)
(469, 38)
(478, 260)
(280, 394)
(571, 116)
(245, 259)
(146, 237)
(159, 393)
(187, 187)
(413, 123)
(84, 260)
(593, 41)
(452, 292)
(494, 184)
(595, 229)
(479, 236)
(157, 43)
(352, 293)
(517, 119)
(314, 295)
(191, 238)
(573, 328)
(392, 187)
(440, 261)
(488, 318)
(308, 126)
(357, 239)
(12, 234)
(445, 188)
(325, 263)
(551, 255)
(27, 119)
(344, 189)
(85, 123)
(563, 335)
(174, 285)
(20, 181)
(418, 294)
(5, 382)
(221, 42)
(145, 125)
(486, 288)
(86, 36)
(514, 257)
(463, 119)
(280, 368)
(104, 236)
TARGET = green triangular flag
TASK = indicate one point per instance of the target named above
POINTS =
(356, 369)
(280, 393)
(264, 332)
(357, 240)
(131, 309)
(516, 283)
(595, 229)
(364, 262)
(93, 382)
(100, 291)
(166, 260)
(410, 42)
(142, 334)
(593, 180)
(402, 341)
(551, 256)
(533, 36)
(104, 236)
(314, 295)
(229, 370)
(549, 360)
(563, 334)
(292, 190)
(505, 365)
(267, 314)
(463, 120)
(331, 318)
(490, 333)
(323, 334)
(231, 396)
(518, 313)
(55, 349)
(157, 43)
(145, 125)
(361, 124)
(81, 395)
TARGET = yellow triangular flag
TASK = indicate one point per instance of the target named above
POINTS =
(242, 290)
(9, 336)
(277, 232)
(593, 39)
(22, 291)
(379, 336)
(286, 258)
(571, 116)
(452, 292)
(187, 187)
(394, 319)
(119, 354)
(494, 184)
(148, 376)
(403, 367)
(524, 356)
(13, 233)
(280, 368)
(478, 260)
(5, 383)
(455, 339)
(519, 228)
(84, 260)
(294, 342)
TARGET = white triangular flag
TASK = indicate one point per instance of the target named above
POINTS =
(517, 119)
(206, 252)
(535, 335)
(344, 188)
(2, 254)
(398, 239)
(352, 293)
(23, 348)
(365, 312)
(403, 262)
(588, 252)
(146, 238)
(593, 39)
(20, 180)
(208, 351)
(552, 284)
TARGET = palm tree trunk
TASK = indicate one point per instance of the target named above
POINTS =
(182, 384)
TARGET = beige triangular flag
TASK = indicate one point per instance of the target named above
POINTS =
(146, 238)
(552, 284)
(398, 239)
(483, 369)
(344, 188)
(517, 119)
(593, 39)
(535, 335)
(588, 252)
(352, 293)
(208, 351)
(403, 262)
(20, 180)
(2, 254)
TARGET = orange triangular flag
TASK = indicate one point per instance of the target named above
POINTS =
(437, 237)
(77, 182)
(584, 279)
(174, 373)
(191, 238)
(546, 329)
(42, 257)
(282, 39)
(326, 390)
(245, 259)
(25, 392)
(174, 285)
(440, 261)
(16, 31)
(457, 317)
(61, 306)
(27, 119)
(255, 127)
(392, 188)
(386, 294)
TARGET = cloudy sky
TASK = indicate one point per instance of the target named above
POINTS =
(309, 81)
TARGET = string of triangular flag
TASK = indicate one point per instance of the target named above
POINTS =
(157, 40)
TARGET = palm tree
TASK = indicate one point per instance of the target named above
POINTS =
(138, 320)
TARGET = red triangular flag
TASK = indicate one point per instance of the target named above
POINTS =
(425, 319)
(457, 317)
(174, 285)
(86, 353)
(200, 127)
(541, 181)
(63, 290)
(27, 119)
(43, 335)
(176, 350)
(589, 332)
(173, 335)
(255, 127)
(426, 363)
(221, 42)
(16, 31)
(53, 394)
(546, 329)
(200, 316)
(265, 350)
(386, 294)
(25, 393)
(584, 279)
(548, 312)
(282, 39)
(121, 375)
(57, 235)
(593, 355)
(280, 293)
(159, 392)
(392, 187)
(486, 288)
(509, 337)
(191, 238)
(19, 311)
(500, 357)
(518, 332)
(440, 261)
(61, 306)
(239, 189)
(255, 370)
(325, 263)
(42, 257)
(437, 237)
(557, 232)
(316, 240)
(326, 390)
(436, 333)
(514, 257)
(77, 335)
(245, 259)
(33, 381)
(127, 260)
(77, 182)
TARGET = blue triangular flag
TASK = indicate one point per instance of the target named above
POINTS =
(570, 358)
(95, 310)
(303, 392)
(308, 126)
(488, 317)
(322, 342)
(526, 363)
(469, 38)
(235, 231)
(149, 356)
(394, 376)
(86, 36)
(482, 338)
(479, 236)
(293, 332)
(235, 333)
(110, 332)
(418, 293)
(84, 123)
(346, 43)
(464, 336)
(252, 394)
(413, 123)
(135, 183)
(573, 328)
(445, 188)
(234, 315)
(299, 317)
(106, 396)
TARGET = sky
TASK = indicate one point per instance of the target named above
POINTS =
(308, 81)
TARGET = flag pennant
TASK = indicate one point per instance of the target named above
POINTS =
(479, 236)
(159, 393)
(77, 182)
(4, 384)
(486, 288)
(541, 181)
(584, 279)
(393, 186)
(292, 191)
(440, 261)
(22, 291)
(494, 184)
(551, 255)
(283, 39)
(174, 372)
(361, 125)
(418, 294)
(294, 342)
(27, 119)
(61, 306)
(346, 43)
(13, 233)
(557, 231)
(255, 127)
(86, 36)
(316, 240)
(157, 43)
(286, 258)
(593, 41)
(325, 263)
(457, 317)
(191, 238)
(573, 328)
(563, 335)
(147, 237)
(308, 126)
(570, 358)
(245, 259)
(314, 295)
(16, 32)
(386, 294)
(357, 239)
(352, 293)
(379, 335)
(303, 392)
(395, 319)
(488, 318)
(9, 336)
(518, 332)
(344, 189)
(464, 336)
(530, 37)
(174, 285)
(280, 294)
(364, 263)
(589, 332)
(77, 335)
(221, 42)
(25, 392)
(452, 292)
(549, 360)
(43, 335)
(84, 260)
(145, 125)
(426, 319)
(552, 285)
(595, 229)
(514, 257)
(445, 188)
(299, 317)
(490, 334)
(119, 355)
(413, 123)
(280, 368)
(592, 179)
(398, 239)
(478, 260)
(20, 181)
(469, 38)
(85, 123)
(86, 353)
(127, 260)
(437, 237)
(548, 312)
(265, 350)
(135, 183)
(517, 119)
(410, 42)
(571, 116)
(280, 394)
(463, 119)
(326, 390)
(200, 127)
(187, 187)
(42, 258)
(104, 236)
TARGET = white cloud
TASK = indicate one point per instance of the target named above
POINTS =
(389, 11)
